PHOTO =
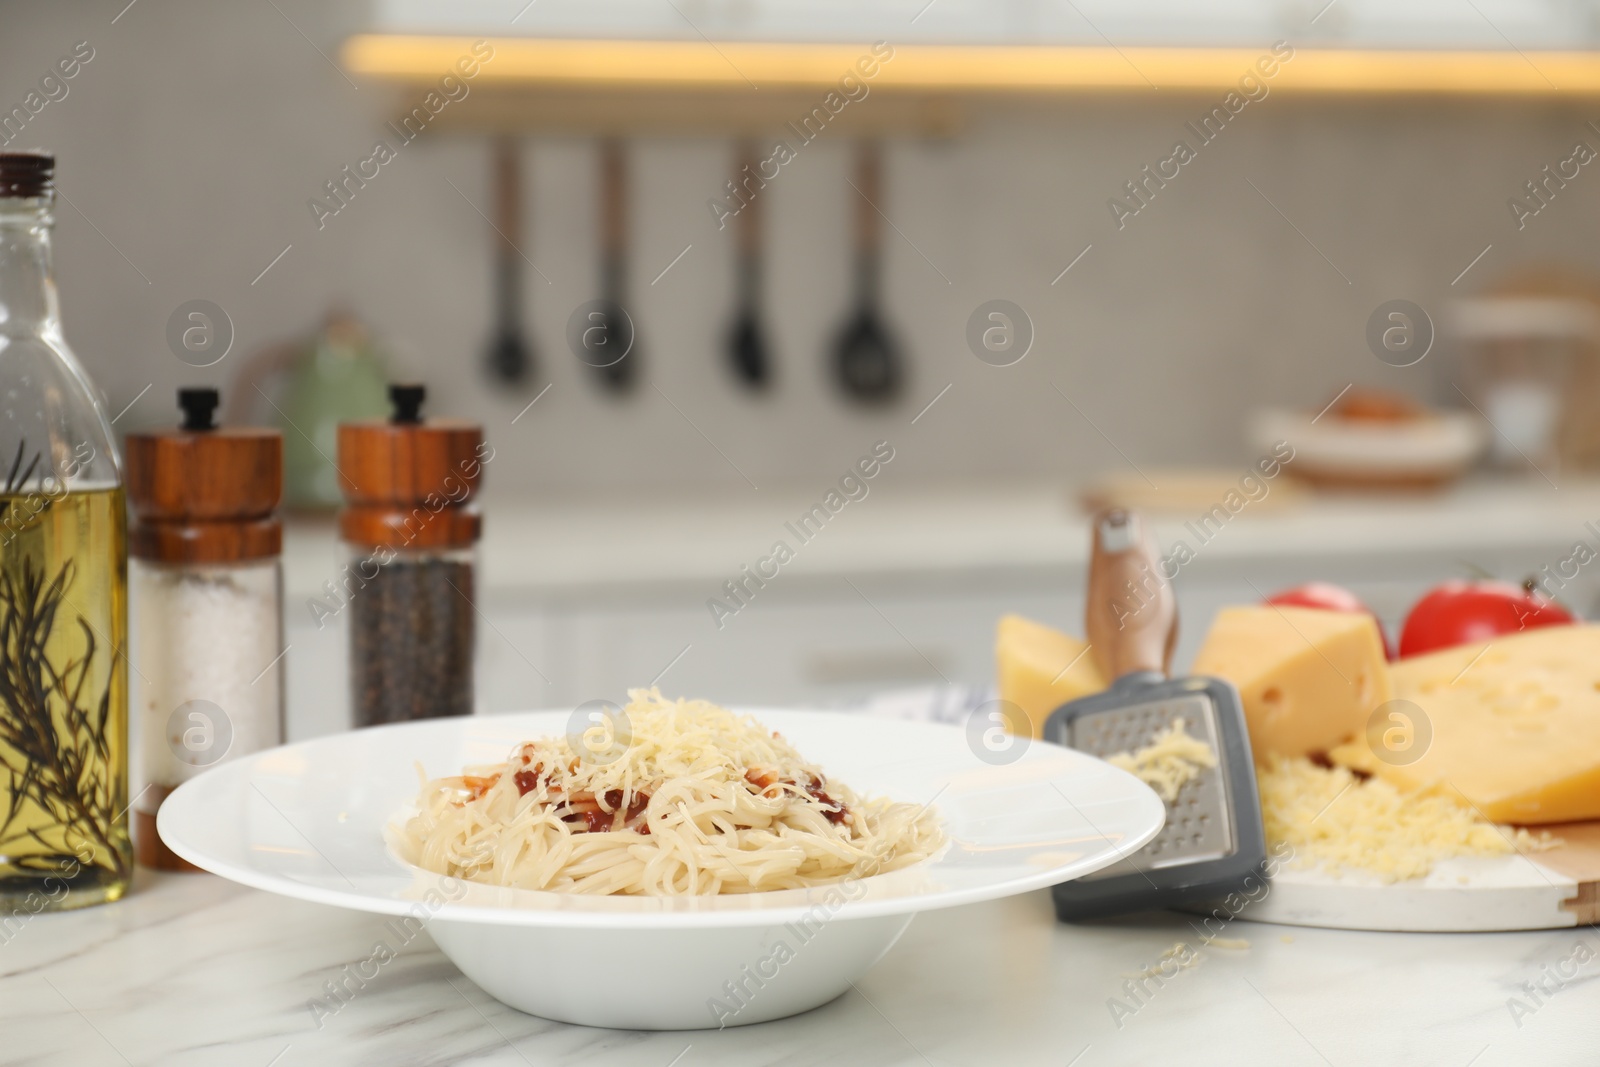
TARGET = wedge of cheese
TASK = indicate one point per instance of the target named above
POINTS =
(1513, 726)
(1309, 679)
(1041, 668)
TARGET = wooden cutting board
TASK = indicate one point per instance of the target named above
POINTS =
(1536, 891)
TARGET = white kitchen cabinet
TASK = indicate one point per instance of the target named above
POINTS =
(834, 645)
(579, 604)
(520, 665)
(317, 665)
(819, 646)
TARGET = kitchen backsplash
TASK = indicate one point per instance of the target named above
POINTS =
(1224, 291)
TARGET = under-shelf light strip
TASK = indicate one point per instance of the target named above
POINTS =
(692, 65)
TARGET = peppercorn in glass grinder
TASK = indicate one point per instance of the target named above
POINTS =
(207, 603)
(411, 529)
(63, 582)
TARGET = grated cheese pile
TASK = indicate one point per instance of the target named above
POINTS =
(1170, 761)
(655, 740)
(1334, 820)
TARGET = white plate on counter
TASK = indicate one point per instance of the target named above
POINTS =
(309, 821)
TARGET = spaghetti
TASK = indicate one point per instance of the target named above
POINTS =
(675, 798)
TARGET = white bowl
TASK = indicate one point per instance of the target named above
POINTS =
(1434, 448)
(309, 821)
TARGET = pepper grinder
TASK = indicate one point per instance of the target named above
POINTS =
(207, 602)
(411, 529)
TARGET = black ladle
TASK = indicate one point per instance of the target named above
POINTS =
(619, 376)
(866, 359)
(747, 342)
(509, 355)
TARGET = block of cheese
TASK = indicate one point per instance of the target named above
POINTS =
(1512, 726)
(1308, 678)
(1041, 668)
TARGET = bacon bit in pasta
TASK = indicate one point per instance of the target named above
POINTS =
(476, 786)
(591, 822)
(528, 781)
(633, 818)
(768, 784)
(834, 811)
(586, 814)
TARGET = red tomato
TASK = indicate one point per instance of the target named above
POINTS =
(1329, 597)
(1462, 612)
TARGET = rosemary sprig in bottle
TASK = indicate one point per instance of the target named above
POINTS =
(55, 743)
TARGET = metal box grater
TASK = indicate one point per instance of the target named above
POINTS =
(1212, 840)
(1199, 822)
(1213, 837)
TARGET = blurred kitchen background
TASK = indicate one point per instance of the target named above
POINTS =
(189, 146)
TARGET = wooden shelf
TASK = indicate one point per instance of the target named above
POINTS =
(734, 67)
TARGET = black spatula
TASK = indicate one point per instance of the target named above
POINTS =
(617, 377)
(747, 339)
(510, 356)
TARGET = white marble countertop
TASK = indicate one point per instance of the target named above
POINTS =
(191, 970)
(566, 547)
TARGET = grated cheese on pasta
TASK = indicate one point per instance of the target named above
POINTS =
(670, 798)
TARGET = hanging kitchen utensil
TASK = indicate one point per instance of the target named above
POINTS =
(747, 341)
(866, 361)
(615, 326)
(1213, 840)
(509, 355)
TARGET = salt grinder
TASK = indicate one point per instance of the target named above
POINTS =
(206, 588)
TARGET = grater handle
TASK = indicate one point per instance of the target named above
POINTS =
(1131, 612)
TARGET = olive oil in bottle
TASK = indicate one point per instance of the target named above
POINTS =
(63, 698)
(63, 580)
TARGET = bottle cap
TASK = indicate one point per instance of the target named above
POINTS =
(409, 482)
(27, 174)
(201, 494)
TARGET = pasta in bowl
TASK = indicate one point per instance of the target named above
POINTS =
(673, 798)
(903, 817)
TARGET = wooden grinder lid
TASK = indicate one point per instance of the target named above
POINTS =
(409, 483)
(201, 494)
